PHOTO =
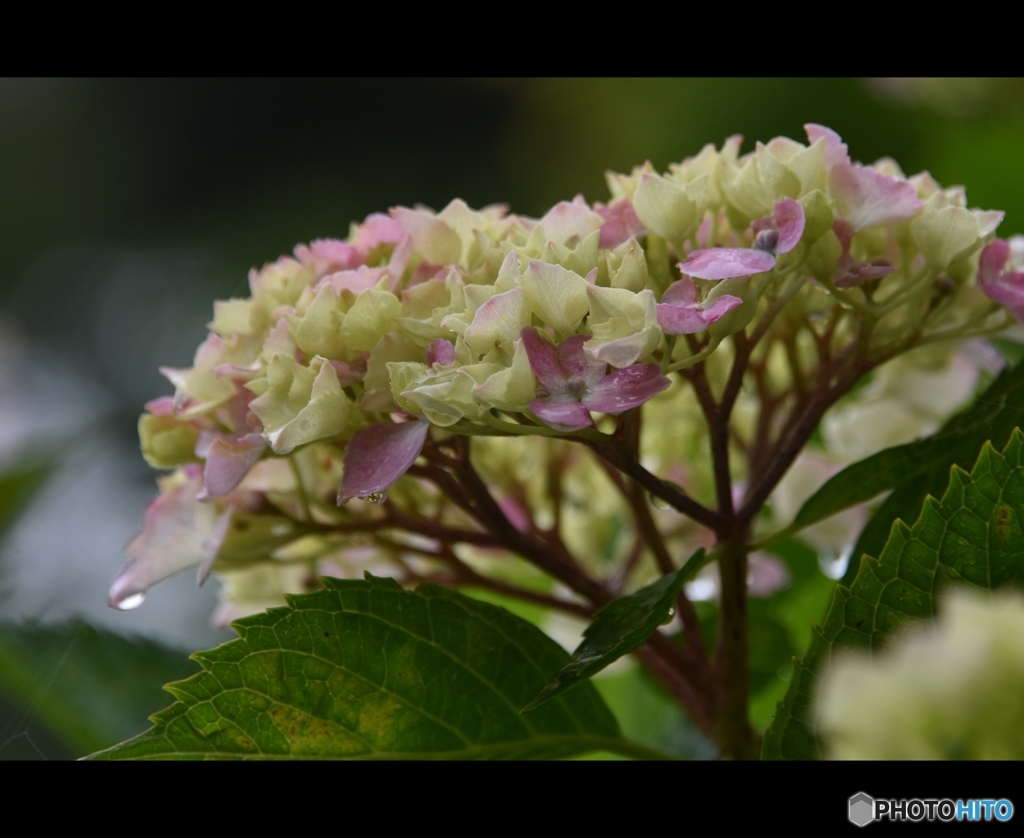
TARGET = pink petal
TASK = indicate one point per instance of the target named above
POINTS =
(426, 271)
(836, 152)
(680, 320)
(703, 234)
(238, 410)
(163, 406)
(355, 281)
(378, 455)
(398, 262)
(620, 223)
(563, 412)
(349, 373)
(205, 439)
(517, 516)
(844, 232)
(228, 462)
(865, 197)
(543, 360)
(789, 220)
(1010, 296)
(626, 388)
(992, 261)
(566, 220)
(440, 352)
(573, 362)
(681, 293)
(720, 307)
(166, 544)
(327, 255)
(863, 274)
(376, 230)
(1007, 289)
(727, 262)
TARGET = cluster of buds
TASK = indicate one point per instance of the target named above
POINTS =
(325, 425)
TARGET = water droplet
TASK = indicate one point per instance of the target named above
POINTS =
(671, 614)
(658, 503)
(130, 603)
(375, 497)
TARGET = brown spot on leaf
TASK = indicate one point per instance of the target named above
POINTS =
(1002, 519)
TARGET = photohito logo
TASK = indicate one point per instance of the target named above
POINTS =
(864, 809)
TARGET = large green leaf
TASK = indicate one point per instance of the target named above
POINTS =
(973, 535)
(918, 468)
(619, 628)
(367, 670)
(89, 687)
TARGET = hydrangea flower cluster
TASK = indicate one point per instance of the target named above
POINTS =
(597, 391)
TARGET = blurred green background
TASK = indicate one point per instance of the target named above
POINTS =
(127, 206)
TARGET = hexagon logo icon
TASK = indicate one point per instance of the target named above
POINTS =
(862, 809)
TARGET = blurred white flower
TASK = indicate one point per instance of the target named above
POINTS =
(907, 399)
(834, 537)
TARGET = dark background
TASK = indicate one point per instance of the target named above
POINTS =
(128, 206)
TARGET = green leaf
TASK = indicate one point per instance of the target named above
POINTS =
(367, 670)
(649, 715)
(90, 687)
(770, 644)
(973, 535)
(620, 627)
(923, 465)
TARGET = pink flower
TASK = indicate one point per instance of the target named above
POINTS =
(679, 312)
(1003, 286)
(571, 385)
(777, 233)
